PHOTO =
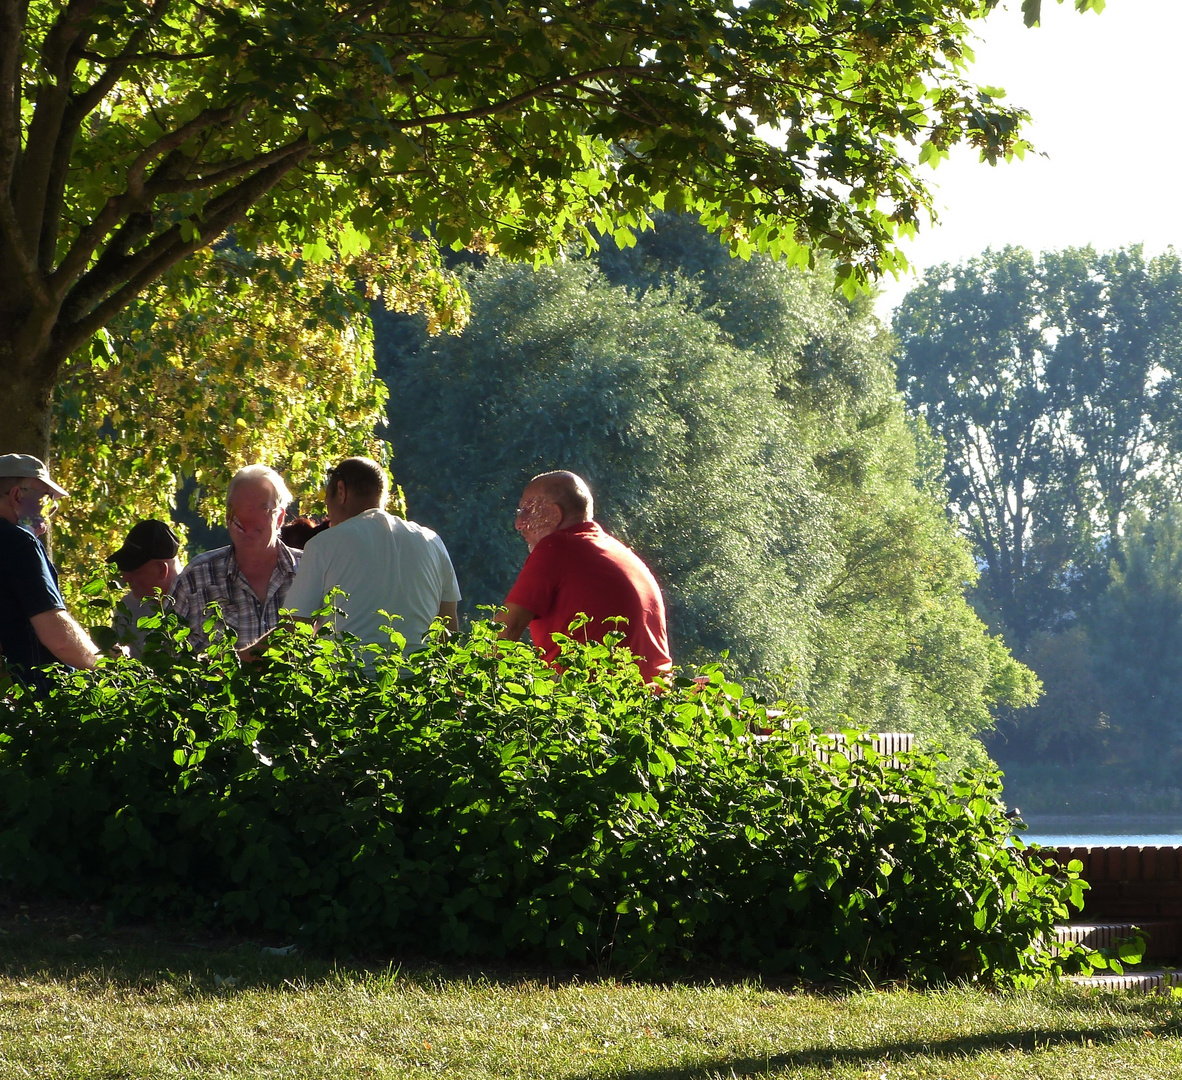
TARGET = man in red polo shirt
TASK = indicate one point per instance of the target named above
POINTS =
(575, 567)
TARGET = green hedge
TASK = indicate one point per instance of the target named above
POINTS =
(470, 802)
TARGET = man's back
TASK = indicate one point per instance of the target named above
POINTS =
(583, 569)
(385, 564)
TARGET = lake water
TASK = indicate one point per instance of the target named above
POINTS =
(1156, 830)
(1104, 839)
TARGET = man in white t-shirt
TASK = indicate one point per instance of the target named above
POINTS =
(381, 561)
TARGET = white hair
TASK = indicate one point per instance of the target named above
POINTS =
(254, 473)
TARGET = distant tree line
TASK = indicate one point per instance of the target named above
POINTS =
(1054, 385)
(739, 424)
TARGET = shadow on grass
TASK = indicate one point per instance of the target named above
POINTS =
(149, 956)
(962, 1048)
(66, 941)
(69, 945)
(144, 960)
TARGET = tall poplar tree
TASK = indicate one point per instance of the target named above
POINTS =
(1053, 385)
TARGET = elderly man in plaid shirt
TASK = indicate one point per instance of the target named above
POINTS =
(249, 579)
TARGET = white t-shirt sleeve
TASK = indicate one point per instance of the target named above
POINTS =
(306, 594)
(447, 572)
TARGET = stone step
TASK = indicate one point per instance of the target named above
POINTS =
(1144, 982)
(1163, 935)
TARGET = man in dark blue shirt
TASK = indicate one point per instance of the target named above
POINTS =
(35, 628)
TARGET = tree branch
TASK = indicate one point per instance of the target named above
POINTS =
(227, 171)
(31, 177)
(139, 225)
(78, 110)
(15, 244)
(493, 108)
(167, 143)
(80, 321)
(127, 59)
(13, 14)
(68, 277)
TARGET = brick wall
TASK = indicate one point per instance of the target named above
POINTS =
(1129, 883)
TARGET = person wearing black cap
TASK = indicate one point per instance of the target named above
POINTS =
(148, 564)
(35, 628)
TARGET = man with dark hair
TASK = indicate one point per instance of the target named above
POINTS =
(149, 566)
(381, 561)
(35, 628)
(364, 477)
(574, 568)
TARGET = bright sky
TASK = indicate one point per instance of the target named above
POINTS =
(1102, 90)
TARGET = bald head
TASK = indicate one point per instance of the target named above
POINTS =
(553, 501)
(570, 492)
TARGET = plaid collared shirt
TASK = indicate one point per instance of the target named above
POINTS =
(216, 577)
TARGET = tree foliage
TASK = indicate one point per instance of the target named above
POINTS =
(238, 358)
(1113, 682)
(739, 429)
(1115, 369)
(1070, 724)
(1053, 386)
(1138, 636)
(134, 133)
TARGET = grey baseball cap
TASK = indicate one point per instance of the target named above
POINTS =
(25, 465)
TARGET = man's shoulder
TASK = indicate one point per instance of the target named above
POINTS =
(15, 538)
(131, 602)
(344, 538)
(397, 526)
(324, 546)
(553, 554)
(289, 556)
(207, 559)
(587, 535)
(22, 551)
(136, 607)
(408, 526)
(204, 568)
(589, 541)
(344, 533)
(369, 527)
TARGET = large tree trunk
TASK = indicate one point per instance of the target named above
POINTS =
(29, 367)
(26, 424)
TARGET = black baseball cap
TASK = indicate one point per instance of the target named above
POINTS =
(147, 540)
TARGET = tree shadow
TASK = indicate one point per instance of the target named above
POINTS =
(960, 1048)
(67, 940)
(70, 942)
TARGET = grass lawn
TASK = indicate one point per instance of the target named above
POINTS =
(79, 1001)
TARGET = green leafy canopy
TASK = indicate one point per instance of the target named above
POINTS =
(1053, 385)
(134, 133)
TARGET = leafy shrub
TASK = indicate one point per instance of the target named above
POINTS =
(468, 801)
